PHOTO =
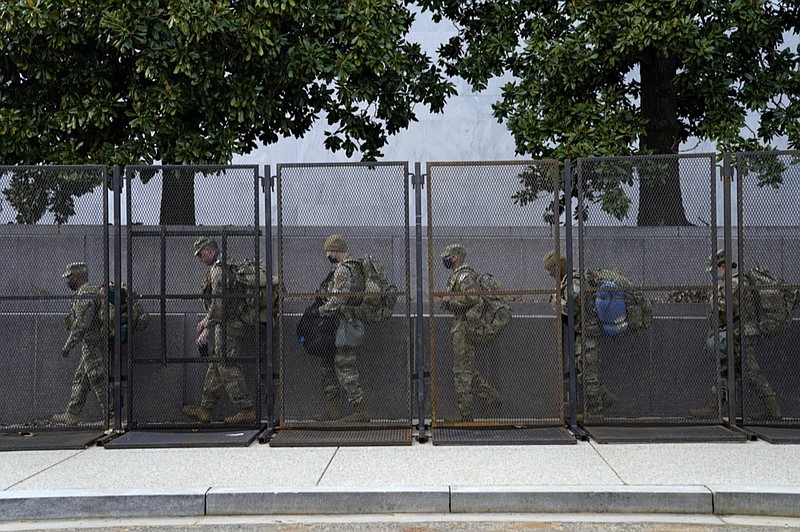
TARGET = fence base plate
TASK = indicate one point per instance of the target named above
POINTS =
(157, 439)
(776, 434)
(345, 437)
(48, 440)
(663, 434)
(501, 436)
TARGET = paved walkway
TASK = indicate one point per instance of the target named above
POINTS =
(754, 478)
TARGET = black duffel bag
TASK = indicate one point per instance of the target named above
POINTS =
(317, 333)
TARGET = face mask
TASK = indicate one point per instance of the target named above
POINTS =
(719, 276)
(448, 262)
(72, 285)
(332, 259)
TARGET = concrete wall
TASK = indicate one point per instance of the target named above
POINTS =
(658, 373)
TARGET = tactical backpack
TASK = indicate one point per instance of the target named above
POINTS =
(251, 278)
(316, 333)
(491, 316)
(619, 308)
(768, 305)
(140, 317)
(380, 297)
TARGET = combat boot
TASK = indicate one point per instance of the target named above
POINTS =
(494, 401)
(772, 410)
(331, 412)
(199, 413)
(66, 418)
(608, 399)
(248, 415)
(710, 410)
(359, 414)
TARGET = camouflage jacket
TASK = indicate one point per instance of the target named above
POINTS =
(462, 281)
(347, 277)
(83, 320)
(215, 285)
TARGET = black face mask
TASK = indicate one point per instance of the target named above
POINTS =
(448, 263)
(332, 259)
(72, 284)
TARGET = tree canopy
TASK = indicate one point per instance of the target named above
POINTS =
(609, 78)
(196, 81)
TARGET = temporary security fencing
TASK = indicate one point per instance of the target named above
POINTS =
(767, 217)
(56, 351)
(485, 244)
(639, 234)
(199, 361)
(344, 368)
(652, 365)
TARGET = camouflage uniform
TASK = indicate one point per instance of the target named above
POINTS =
(587, 347)
(84, 326)
(342, 370)
(755, 380)
(467, 379)
(222, 373)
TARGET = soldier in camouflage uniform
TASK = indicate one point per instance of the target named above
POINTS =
(756, 381)
(467, 380)
(223, 373)
(341, 372)
(85, 327)
(597, 398)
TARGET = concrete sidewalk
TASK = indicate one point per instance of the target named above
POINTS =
(754, 478)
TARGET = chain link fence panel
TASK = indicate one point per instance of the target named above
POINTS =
(56, 354)
(633, 368)
(514, 378)
(322, 385)
(179, 373)
(768, 207)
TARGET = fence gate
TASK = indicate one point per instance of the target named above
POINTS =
(649, 381)
(507, 389)
(352, 394)
(180, 393)
(768, 185)
(51, 216)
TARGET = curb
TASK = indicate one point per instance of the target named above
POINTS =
(774, 501)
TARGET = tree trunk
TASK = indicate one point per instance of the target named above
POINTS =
(177, 197)
(660, 198)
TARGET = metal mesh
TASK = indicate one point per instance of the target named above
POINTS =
(368, 204)
(166, 369)
(663, 373)
(768, 185)
(517, 377)
(42, 229)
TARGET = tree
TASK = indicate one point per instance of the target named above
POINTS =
(605, 78)
(196, 81)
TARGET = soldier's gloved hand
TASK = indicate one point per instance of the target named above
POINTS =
(201, 326)
(203, 338)
(65, 353)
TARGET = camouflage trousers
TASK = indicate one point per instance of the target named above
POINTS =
(224, 374)
(467, 380)
(341, 373)
(587, 360)
(91, 373)
(754, 380)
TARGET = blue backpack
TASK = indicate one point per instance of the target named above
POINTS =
(609, 301)
(620, 309)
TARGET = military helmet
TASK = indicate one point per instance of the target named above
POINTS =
(201, 242)
(716, 260)
(335, 243)
(454, 249)
(75, 268)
